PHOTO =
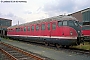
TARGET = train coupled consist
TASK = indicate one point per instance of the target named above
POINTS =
(58, 30)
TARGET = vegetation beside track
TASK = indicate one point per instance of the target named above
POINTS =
(86, 46)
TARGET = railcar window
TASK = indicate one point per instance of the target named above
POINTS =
(17, 29)
(32, 28)
(24, 28)
(28, 28)
(59, 23)
(49, 26)
(21, 29)
(10, 30)
(65, 23)
(54, 26)
(71, 23)
(43, 27)
(37, 27)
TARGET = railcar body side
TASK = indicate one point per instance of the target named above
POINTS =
(55, 31)
(86, 32)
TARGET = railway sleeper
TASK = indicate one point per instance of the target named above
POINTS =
(26, 58)
(12, 51)
(19, 56)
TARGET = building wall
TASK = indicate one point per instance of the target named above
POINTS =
(4, 23)
(86, 15)
(78, 16)
(81, 16)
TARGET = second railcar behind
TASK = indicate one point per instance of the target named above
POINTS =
(86, 32)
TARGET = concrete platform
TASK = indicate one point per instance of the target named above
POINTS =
(51, 53)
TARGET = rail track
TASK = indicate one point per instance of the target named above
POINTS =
(14, 53)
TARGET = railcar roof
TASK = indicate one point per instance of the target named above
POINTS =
(56, 18)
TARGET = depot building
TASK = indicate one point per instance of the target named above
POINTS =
(4, 23)
(83, 16)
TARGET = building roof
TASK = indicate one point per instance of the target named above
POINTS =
(80, 11)
(5, 19)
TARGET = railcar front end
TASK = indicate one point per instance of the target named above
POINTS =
(71, 33)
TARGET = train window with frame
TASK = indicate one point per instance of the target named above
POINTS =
(54, 26)
(43, 27)
(24, 28)
(37, 27)
(32, 28)
(48, 26)
(28, 28)
(21, 29)
(60, 23)
(17, 29)
(64, 23)
(71, 23)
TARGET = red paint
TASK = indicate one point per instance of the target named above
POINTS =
(86, 32)
(62, 31)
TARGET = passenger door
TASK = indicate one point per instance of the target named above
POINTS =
(48, 30)
(53, 29)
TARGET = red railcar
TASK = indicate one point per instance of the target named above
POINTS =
(58, 30)
(86, 32)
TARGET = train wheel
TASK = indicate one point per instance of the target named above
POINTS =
(46, 44)
(57, 45)
(67, 46)
(63, 45)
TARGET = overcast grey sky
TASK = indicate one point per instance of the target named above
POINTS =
(38, 9)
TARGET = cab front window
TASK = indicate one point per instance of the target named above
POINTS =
(64, 23)
(71, 23)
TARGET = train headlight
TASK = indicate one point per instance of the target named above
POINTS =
(78, 31)
(71, 33)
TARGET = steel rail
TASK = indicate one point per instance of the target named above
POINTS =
(8, 55)
(21, 51)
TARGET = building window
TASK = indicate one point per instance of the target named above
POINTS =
(53, 26)
(59, 23)
(49, 26)
(37, 27)
(28, 28)
(43, 27)
(32, 28)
